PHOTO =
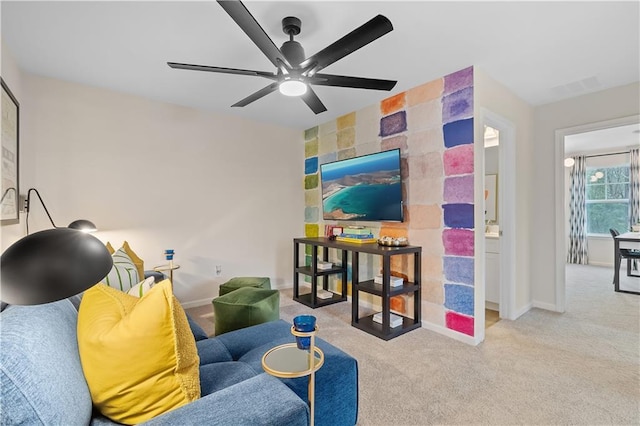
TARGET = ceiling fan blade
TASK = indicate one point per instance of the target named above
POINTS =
(241, 15)
(355, 82)
(313, 101)
(193, 67)
(361, 36)
(257, 95)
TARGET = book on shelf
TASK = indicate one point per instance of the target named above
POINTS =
(364, 236)
(394, 320)
(323, 294)
(393, 281)
(357, 240)
(323, 266)
(356, 230)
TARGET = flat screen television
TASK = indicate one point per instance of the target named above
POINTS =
(365, 188)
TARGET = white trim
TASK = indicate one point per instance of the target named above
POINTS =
(197, 303)
(524, 310)
(544, 305)
(560, 246)
(507, 210)
(608, 265)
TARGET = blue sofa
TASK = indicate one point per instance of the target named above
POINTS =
(41, 377)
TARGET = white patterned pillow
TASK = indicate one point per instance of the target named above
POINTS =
(123, 275)
(142, 287)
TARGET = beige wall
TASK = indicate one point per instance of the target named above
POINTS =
(217, 189)
(494, 97)
(618, 102)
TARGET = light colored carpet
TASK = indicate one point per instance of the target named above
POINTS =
(581, 367)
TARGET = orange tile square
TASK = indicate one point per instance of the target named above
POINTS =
(392, 104)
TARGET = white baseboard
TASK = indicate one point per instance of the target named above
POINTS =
(526, 308)
(544, 305)
(605, 264)
(202, 302)
(197, 303)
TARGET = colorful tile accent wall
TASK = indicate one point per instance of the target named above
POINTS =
(432, 124)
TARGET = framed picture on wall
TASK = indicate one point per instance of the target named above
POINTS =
(490, 198)
(10, 149)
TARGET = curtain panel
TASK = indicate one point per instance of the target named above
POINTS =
(634, 193)
(578, 251)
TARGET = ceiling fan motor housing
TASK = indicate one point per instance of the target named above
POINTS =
(292, 50)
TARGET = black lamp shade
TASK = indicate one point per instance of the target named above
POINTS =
(83, 225)
(52, 265)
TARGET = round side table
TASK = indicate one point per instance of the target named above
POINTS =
(287, 361)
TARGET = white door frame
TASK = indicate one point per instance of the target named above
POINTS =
(560, 226)
(506, 210)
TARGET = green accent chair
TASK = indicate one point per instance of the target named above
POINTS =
(240, 282)
(245, 307)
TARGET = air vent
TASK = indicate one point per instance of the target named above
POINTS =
(575, 88)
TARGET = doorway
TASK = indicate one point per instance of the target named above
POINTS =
(501, 229)
(580, 140)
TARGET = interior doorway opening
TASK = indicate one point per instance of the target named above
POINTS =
(568, 142)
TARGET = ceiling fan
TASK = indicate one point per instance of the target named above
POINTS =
(295, 73)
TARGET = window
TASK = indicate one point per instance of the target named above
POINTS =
(607, 199)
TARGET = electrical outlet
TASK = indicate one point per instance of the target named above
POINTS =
(218, 270)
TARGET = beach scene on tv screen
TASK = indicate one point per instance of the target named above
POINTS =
(367, 188)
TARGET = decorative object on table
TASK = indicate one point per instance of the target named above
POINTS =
(393, 281)
(81, 224)
(324, 294)
(52, 265)
(393, 242)
(304, 324)
(332, 230)
(9, 205)
(323, 266)
(394, 320)
(356, 234)
(170, 267)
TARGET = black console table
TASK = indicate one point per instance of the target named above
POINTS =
(384, 290)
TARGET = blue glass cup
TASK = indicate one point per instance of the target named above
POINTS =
(169, 254)
(304, 324)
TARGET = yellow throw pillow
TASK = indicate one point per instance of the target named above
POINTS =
(136, 260)
(138, 355)
(110, 248)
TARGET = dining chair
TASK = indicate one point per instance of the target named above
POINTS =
(628, 254)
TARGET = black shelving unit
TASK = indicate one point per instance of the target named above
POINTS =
(384, 290)
(311, 299)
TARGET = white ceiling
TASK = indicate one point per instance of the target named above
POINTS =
(542, 51)
(604, 140)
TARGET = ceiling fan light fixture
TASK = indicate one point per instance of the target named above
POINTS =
(292, 87)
